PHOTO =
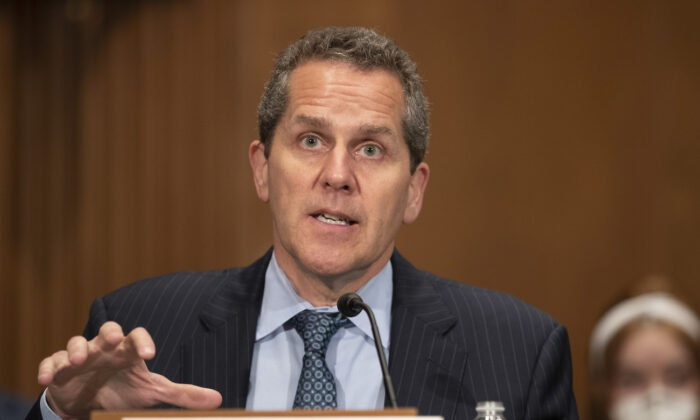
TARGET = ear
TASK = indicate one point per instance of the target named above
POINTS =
(258, 162)
(416, 190)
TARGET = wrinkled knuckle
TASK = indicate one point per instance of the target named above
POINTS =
(45, 364)
(58, 355)
(164, 393)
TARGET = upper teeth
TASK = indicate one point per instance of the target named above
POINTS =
(333, 220)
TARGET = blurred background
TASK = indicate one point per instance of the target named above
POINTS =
(565, 149)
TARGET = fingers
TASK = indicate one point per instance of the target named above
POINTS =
(141, 342)
(77, 350)
(50, 365)
(138, 340)
(75, 354)
(109, 336)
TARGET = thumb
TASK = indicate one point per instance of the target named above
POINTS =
(191, 396)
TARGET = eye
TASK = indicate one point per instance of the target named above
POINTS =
(312, 142)
(370, 150)
(630, 380)
(677, 376)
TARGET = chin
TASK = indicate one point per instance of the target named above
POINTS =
(330, 264)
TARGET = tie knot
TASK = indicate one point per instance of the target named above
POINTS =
(316, 329)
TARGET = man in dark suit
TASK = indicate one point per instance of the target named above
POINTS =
(343, 131)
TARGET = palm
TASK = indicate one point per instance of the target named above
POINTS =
(120, 385)
(109, 372)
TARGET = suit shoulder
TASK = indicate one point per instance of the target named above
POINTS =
(148, 303)
(474, 307)
(179, 297)
(482, 312)
(179, 286)
(493, 306)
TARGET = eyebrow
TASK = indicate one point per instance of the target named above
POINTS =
(313, 122)
(320, 123)
(369, 130)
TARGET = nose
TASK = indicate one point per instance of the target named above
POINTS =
(338, 171)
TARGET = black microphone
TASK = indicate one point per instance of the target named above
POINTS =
(351, 304)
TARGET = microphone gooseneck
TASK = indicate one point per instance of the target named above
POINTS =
(351, 304)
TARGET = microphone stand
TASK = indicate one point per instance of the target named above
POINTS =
(351, 304)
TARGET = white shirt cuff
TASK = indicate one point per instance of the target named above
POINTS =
(46, 411)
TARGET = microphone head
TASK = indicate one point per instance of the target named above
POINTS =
(350, 304)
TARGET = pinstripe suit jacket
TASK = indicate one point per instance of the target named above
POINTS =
(452, 345)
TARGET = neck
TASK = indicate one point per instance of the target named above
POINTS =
(322, 289)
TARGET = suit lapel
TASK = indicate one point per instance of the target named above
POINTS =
(219, 355)
(426, 363)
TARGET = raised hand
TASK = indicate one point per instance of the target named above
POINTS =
(109, 372)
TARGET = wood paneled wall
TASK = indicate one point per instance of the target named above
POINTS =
(565, 152)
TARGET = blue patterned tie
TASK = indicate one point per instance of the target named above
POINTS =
(316, 388)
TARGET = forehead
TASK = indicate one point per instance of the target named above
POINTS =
(658, 344)
(324, 85)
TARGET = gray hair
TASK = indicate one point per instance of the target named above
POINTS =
(364, 49)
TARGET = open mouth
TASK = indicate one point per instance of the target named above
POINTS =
(333, 219)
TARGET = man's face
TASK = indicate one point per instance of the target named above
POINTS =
(338, 173)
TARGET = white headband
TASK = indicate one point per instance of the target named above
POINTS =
(652, 306)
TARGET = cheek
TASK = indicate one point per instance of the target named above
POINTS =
(389, 203)
(629, 381)
(285, 181)
(685, 380)
(283, 199)
(618, 394)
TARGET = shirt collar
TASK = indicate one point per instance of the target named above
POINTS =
(281, 302)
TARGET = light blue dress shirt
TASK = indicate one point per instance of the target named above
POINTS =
(278, 349)
(351, 356)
